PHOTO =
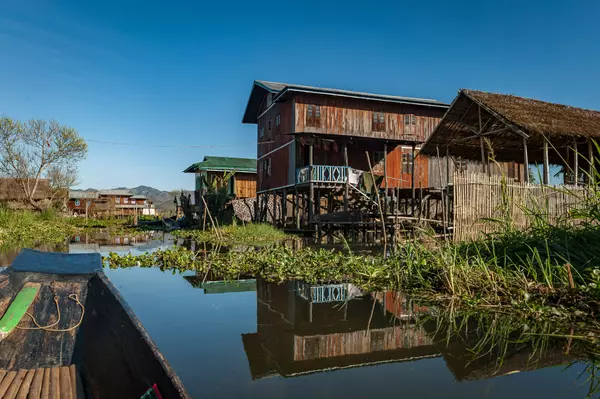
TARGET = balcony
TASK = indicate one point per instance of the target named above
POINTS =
(322, 174)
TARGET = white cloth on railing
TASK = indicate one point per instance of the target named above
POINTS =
(354, 176)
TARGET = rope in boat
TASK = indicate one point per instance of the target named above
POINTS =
(72, 297)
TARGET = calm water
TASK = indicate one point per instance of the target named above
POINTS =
(253, 339)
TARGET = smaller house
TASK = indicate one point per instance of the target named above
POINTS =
(82, 202)
(242, 184)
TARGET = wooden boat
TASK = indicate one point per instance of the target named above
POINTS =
(106, 353)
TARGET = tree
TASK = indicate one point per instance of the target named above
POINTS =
(38, 149)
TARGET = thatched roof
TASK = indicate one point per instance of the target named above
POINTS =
(10, 190)
(541, 117)
(520, 117)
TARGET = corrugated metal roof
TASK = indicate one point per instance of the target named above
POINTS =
(81, 194)
(122, 193)
(373, 96)
(261, 86)
(244, 165)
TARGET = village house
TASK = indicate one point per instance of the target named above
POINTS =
(116, 202)
(324, 154)
(240, 174)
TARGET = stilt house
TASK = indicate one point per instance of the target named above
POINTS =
(324, 155)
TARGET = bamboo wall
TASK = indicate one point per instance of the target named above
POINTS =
(480, 201)
(245, 185)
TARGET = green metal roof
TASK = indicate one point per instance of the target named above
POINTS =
(222, 164)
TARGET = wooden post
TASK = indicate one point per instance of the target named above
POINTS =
(296, 209)
(546, 163)
(525, 161)
(483, 161)
(311, 185)
(346, 188)
(591, 160)
(444, 224)
(412, 180)
(385, 176)
(447, 165)
(284, 208)
(576, 163)
(378, 200)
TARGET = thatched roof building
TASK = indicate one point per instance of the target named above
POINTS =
(512, 128)
(10, 190)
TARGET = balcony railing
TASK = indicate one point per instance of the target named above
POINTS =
(322, 174)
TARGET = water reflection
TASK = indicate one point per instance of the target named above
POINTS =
(309, 328)
(302, 329)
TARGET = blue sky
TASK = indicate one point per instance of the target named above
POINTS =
(179, 73)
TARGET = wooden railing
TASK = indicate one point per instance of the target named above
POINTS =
(322, 174)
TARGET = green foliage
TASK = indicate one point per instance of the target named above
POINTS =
(27, 228)
(36, 149)
(249, 233)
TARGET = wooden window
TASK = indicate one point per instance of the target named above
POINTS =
(77, 203)
(117, 200)
(378, 124)
(278, 124)
(267, 166)
(313, 115)
(269, 99)
(410, 123)
(261, 133)
(407, 162)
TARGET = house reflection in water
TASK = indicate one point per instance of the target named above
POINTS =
(303, 329)
(106, 242)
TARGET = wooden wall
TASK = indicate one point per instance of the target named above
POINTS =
(272, 140)
(245, 185)
(353, 117)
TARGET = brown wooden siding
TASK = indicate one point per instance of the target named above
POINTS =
(245, 185)
(350, 117)
(272, 141)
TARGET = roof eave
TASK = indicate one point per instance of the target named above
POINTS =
(425, 103)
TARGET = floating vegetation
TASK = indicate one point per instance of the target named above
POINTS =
(249, 234)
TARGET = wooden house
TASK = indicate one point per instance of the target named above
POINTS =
(117, 202)
(240, 174)
(325, 153)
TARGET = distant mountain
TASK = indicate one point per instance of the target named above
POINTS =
(162, 200)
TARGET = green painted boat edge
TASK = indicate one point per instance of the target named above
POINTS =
(17, 309)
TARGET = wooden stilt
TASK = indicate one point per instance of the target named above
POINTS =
(385, 178)
(525, 161)
(546, 176)
(284, 208)
(575, 163)
(346, 187)
(591, 161)
(412, 179)
(311, 185)
(296, 209)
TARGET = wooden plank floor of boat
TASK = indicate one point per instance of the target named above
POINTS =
(58, 382)
(34, 349)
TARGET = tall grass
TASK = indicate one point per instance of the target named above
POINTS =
(28, 228)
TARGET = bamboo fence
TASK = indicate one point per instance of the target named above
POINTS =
(486, 204)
